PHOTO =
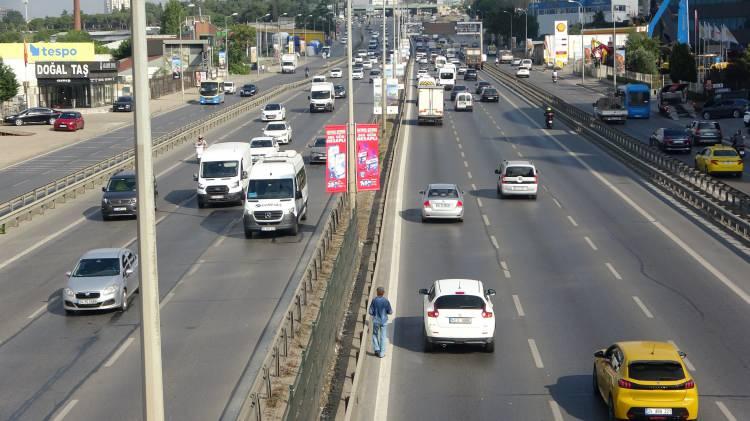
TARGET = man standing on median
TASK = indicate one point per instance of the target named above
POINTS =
(380, 308)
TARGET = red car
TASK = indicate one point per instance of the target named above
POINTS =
(70, 121)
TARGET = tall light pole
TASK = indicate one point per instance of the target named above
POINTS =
(614, 50)
(226, 39)
(182, 58)
(583, 52)
(351, 155)
(258, 43)
(383, 102)
(526, 31)
(510, 40)
(153, 387)
(278, 34)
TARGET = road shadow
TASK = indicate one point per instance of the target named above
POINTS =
(176, 197)
(575, 395)
(406, 332)
(484, 193)
(411, 215)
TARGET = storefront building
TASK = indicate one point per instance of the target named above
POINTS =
(76, 84)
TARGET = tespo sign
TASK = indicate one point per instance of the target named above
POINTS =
(68, 70)
(48, 51)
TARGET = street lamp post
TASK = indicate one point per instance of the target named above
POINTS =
(258, 44)
(614, 49)
(510, 40)
(182, 59)
(352, 171)
(226, 40)
(278, 34)
(526, 31)
(583, 53)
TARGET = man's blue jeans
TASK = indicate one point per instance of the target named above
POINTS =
(379, 338)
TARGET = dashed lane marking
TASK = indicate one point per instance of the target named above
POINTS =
(556, 413)
(572, 221)
(591, 243)
(494, 242)
(535, 354)
(66, 409)
(614, 272)
(486, 220)
(725, 411)
(643, 307)
(687, 362)
(119, 352)
(557, 203)
(519, 307)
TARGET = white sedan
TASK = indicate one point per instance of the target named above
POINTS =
(522, 72)
(335, 73)
(458, 312)
(272, 111)
(263, 146)
(280, 131)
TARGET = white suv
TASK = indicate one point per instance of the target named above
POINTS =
(458, 311)
(525, 64)
(517, 178)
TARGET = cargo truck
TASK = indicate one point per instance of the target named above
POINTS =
(288, 63)
(474, 58)
(610, 109)
(429, 102)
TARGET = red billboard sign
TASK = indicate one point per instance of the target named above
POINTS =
(336, 158)
(368, 167)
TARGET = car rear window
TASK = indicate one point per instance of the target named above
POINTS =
(443, 193)
(656, 370)
(457, 302)
(273, 107)
(725, 153)
(262, 143)
(708, 125)
(674, 133)
(276, 126)
(519, 172)
(490, 91)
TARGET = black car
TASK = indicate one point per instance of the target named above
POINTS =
(704, 132)
(471, 74)
(33, 116)
(339, 91)
(671, 140)
(489, 94)
(481, 85)
(374, 74)
(248, 90)
(123, 103)
(120, 195)
(456, 89)
(725, 108)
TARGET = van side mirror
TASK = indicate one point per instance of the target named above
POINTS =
(68, 274)
(298, 195)
(424, 291)
(104, 189)
(491, 292)
(421, 192)
(599, 354)
(244, 175)
(308, 97)
(682, 354)
(195, 177)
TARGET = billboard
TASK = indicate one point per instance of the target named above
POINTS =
(335, 158)
(561, 42)
(368, 167)
(620, 61)
(48, 51)
(391, 95)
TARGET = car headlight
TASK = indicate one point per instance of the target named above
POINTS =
(68, 292)
(110, 289)
(105, 201)
(134, 200)
(201, 186)
(236, 184)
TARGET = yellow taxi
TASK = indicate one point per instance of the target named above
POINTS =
(719, 159)
(644, 380)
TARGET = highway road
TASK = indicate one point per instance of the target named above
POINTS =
(601, 256)
(218, 292)
(25, 176)
(569, 89)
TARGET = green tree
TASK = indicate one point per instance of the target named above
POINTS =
(10, 36)
(15, 20)
(101, 49)
(243, 36)
(641, 53)
(171, 17)
(153, 13)
(123, 51)
(8, 83)
(682, 64)
(75, 36)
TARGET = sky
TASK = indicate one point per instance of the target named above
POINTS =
(42, 8)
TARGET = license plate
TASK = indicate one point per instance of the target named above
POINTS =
(519, 188)
(460, 320)
(62, 125)
(727, 162)
(268, 228)
(119, 209)
(87, 301)
(442, 205)
(218, 196)
(658, 411)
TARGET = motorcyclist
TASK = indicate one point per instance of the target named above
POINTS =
(554, 75)
(200, 146)
(497, 61)
(548, 113)
(738, 140)
(307, 72)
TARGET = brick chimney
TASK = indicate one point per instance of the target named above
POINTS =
(77, 15)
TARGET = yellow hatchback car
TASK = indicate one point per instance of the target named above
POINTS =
(643, 380)
(719, 159)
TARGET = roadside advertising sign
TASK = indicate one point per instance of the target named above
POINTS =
(368, 167)
(335, 158)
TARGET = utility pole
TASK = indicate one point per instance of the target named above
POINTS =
(351, 147)
(614, 50)
(153, 388)
(383, 102)
(583, 53)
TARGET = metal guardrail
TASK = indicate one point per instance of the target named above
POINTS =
(37, 201)
(722, 203)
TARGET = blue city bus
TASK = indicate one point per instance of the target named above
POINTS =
(637, 99)
(212, 92)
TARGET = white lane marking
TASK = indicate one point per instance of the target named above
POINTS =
(556, 413)
(689, 250)
(643, 307)
(572, 221)
(545, 187)
(591, 243)
(463, 155)
(479, 202)
(113, 359)
(614, 272)
(473, 186)
(21, 182)
(535, 354)
(519, 307)
(557, 203)
(193, 269)
(571, 132)
(466, 164)
(520, 154)
(460, 146)
(167, 299)
(43, 307)
(724, 410)
(486, 220)
(687, 362)
(506, 273)
(384, 374)
(504, 265)
(494, 242)
(67, 408)
(468, 174)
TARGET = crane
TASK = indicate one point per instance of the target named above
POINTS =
(683, 36)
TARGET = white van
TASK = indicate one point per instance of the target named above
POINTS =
(318, 79)
(447, 76)
(440, 62)
(464, 102)
(222, 175)
(321, 97)
(277, 194)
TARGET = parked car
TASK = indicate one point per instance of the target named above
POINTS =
(704, 132)
(70, 121)
(248, 90)
(670, 140)
(37, 115)
(725, 108)
(123, 103)
(102, 279)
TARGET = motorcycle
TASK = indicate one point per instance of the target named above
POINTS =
(548, 118)
(554, 78)
(738, 143)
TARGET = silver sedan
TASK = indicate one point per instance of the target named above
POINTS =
(442, 201)
(102, 279)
